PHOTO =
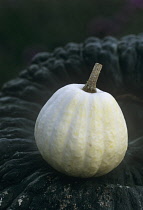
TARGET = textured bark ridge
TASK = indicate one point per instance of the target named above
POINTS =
(26, 180)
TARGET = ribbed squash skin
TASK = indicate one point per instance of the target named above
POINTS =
(81, 134)
(26, 180)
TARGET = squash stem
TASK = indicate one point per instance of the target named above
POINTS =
(90, 86)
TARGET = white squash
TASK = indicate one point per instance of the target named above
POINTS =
(81, 133)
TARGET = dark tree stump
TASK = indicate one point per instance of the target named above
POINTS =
(26, 180)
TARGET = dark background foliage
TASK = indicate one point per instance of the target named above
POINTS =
(28, 27)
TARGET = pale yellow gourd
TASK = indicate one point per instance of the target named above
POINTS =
(81, 130)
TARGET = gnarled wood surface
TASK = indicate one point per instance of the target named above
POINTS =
(26, 180)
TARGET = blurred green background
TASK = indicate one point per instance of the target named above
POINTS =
(29, 27)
